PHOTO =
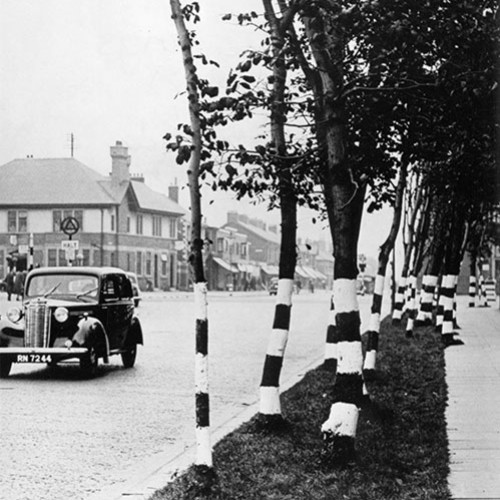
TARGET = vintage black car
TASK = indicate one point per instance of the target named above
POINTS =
(83, 313)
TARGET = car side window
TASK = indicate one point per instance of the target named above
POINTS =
(109, 289)
(126, 288)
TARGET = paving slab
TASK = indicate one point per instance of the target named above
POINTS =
(473, 412)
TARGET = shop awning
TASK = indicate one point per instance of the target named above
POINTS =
(270, 270)
(301, 272)
(222, 263)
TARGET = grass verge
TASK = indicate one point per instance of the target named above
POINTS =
(402, 445)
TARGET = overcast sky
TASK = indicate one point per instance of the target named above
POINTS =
(111, 70)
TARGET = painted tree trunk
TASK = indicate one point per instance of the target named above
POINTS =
(397, 313)
(203, 459)
(374, 327)
(447, 333)
(331, 354)
(270, 407)
(472, 282)
(424, 315)
(203, 444)
(412, 306)
(378, 293)
(339, 430)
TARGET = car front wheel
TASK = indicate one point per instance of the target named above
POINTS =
(128, 356)
(89, 362)
(5, 364)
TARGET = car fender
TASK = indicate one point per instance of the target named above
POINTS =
(10, 329)
(91, 329)
(136, 331)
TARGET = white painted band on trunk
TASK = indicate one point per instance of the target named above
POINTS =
(402, 282)
(447, 327)
(200, 300)
(277, 342)
(203, 447)
(331, 351)
(409, 325)
(370, 360)
(400, 297)
(439, 319)
(397, 314)
(270, 401)
(374, 323)
(379, 284)
(344, 292)
(342, 421)
(284, 293)
(332, 317)
(432, 281)
(350, 357)
(201, 373)
(448, 281)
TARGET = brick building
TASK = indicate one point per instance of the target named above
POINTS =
(122, 222)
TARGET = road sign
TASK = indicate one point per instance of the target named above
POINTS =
(23, 249)
(70, 226)
(70, 253)
(70, 244)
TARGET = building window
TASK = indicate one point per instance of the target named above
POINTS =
(156, 225)
(164, 262)
(112, 222)
(220, 245)
(243, 250)
(59, 215)
(138, 224)
(62, 257)
(148, 263)
(17, 221)
(52, 257)
(139, 264)
(173, 228)
(129, 261)
(128, 224)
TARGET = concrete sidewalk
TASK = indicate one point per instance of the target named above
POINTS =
(473, 413)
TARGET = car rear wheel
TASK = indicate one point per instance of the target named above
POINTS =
(5, 364)
(128, 357)
(89, 362)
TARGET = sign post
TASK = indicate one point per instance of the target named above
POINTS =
(70, 226)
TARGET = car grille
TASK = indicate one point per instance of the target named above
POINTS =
(37, 324)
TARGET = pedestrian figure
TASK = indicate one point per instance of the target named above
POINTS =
(9, 283)
(18, 284)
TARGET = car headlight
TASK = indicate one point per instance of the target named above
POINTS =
(61, 314)
(14, 314)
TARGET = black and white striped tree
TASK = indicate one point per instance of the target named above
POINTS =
(270, 414)
(387, 247)
(192, 155)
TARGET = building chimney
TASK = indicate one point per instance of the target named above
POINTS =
(173, 193)
(232, 217)
(120, 163)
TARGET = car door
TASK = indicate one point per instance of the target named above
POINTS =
(117, 301)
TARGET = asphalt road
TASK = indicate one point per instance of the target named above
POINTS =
(63, 437)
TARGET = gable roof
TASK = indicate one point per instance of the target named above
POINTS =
(55, 182)
(150, 200)
(51, 181)
(268, 236)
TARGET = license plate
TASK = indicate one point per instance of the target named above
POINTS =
(33, 358)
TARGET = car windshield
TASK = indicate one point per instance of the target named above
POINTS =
(53, 285)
